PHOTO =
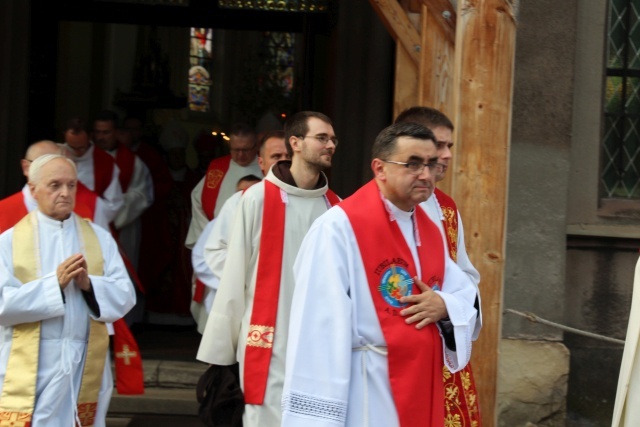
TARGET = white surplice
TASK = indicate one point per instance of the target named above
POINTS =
(432, 207)
(228, 186)
(208, 257)
(137, 198)
(332, 378)
(112, 196)
(64, 327)
(626, 411)
(224, 339)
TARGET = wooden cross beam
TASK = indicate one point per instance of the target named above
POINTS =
(461, 62)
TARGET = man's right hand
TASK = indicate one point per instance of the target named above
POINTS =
(71, 268)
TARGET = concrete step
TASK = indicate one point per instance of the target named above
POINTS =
(156, 401)
(170, 392)
(172, 374)
(154, 421)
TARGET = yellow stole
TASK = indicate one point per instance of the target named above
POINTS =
(18, 397)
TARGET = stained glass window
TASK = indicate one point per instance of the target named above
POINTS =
(279, 60)
(620, 173)
(277, 5)
(200, 69)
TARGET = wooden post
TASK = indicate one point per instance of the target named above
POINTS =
(485, 53)
(470, 79)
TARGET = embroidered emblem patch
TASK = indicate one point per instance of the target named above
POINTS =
(214, 177)
(395, 283)
(260, 336)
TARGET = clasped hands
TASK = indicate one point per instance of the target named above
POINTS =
(74, 267)
(427, 307)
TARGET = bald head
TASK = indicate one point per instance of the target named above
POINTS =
(36, 150)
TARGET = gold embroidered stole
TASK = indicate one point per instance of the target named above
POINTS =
(17, 401)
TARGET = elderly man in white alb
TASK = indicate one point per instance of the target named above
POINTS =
(61, 279)
(378, 307)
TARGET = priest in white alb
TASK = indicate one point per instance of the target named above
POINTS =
(61, 279)
(378, 307)
(249, 319)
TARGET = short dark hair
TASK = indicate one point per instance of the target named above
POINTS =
(297, 125)
(425, 116)
(76, 125)
(385, 143)
(107, 116)
(268, 135)
(249, 178)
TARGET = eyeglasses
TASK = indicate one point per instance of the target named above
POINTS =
(323, 139)
(416, 168)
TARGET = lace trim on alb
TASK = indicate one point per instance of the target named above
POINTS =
(315, 407)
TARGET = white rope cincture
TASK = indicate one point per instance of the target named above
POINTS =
(364, 349)
(536, 319)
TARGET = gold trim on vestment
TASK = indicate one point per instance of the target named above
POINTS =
(98, 342)
(17, 401)
(260, 336)
(19, 388)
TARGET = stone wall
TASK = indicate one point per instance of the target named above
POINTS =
(533, 383)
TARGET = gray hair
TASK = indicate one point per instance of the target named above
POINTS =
(37, 164)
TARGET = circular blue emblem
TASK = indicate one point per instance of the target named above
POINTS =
(396, 282)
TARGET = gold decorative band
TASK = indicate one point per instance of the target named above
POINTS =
(260, 336)
(98, 342)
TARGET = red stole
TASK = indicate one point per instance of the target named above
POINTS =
(414, 356)
(86, 197)
(126, 160)
(102, 170)
(12, 210)
(267, 293)
(449, 222)
(461, 401)
(127, 360)
(212, 181)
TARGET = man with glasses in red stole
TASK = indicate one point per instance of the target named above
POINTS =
(379, 307)
(217, 185)
(249, 319)
(461, 398)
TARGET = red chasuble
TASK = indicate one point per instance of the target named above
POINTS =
(12, 210)
(212, 181)
(461, 398)
(126, 160)
(102, 170)
(415, 357)
(267, 294)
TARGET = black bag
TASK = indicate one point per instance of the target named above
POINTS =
(220, 397)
